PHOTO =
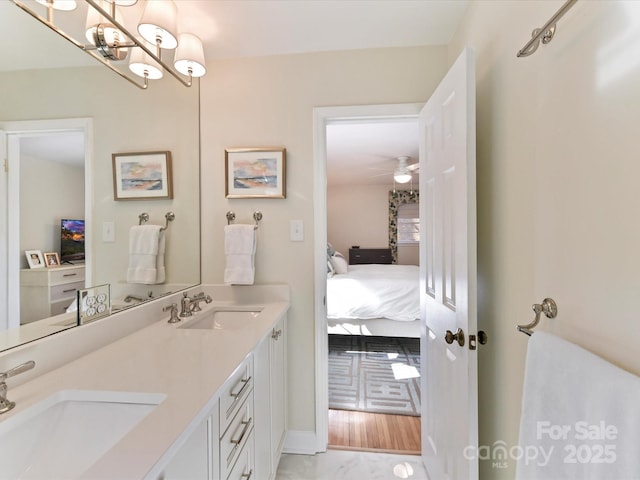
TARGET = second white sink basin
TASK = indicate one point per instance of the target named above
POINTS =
(225, 318)
(62, 436)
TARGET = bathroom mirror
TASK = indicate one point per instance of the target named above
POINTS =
(46, 81)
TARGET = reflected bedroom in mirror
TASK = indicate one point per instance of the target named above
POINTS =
(64, 115)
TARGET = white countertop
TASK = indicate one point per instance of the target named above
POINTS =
(189, 366)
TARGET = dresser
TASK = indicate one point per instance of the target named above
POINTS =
(362, 256)
(45, 292)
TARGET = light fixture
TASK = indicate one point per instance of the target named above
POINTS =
(401, 176)
(189, 57)
(144, 66)
(110, 42)
(158, 24)
(402, 173)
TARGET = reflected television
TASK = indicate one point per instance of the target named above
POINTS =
(71, 240)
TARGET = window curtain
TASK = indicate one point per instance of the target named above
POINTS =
(397, 198)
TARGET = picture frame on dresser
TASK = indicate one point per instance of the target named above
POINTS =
(34, 258)
(255, 172)
(51, 259)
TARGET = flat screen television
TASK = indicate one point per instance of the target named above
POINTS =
(71, 240)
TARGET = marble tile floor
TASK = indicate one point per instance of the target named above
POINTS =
(350, 465)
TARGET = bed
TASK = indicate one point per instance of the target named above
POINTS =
(374, 299)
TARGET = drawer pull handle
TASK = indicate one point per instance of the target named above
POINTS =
(239, 394)
(237, 443)
(247, 427)
(247, 475)
(69, 274)
(70, 290)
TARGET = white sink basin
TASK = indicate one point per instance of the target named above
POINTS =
(62, 436)
(225, 318)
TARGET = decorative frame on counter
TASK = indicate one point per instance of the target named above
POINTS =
(255, 172)
(34, 258)
(142, 175)
(51, 259)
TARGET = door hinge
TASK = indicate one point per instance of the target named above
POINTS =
(481, 337)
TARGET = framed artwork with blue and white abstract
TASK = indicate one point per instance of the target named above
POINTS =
(255, 172)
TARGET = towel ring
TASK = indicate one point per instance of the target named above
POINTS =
(548, 307)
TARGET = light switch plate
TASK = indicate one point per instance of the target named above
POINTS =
(108, 232)
(296, 231)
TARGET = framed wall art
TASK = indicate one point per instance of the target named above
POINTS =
(255, 172)
(142, 176)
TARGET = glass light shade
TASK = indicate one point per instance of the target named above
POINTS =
(141, 63)
(402, 177)
(123, 3)
(111, 33)
(190, 55)
(66, 5)
(159, 22)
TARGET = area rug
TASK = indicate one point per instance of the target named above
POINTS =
(374, 374)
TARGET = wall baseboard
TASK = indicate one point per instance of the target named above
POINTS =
(301, 442)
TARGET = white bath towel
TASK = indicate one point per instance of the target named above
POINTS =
(146, 255)
(240, 249)
(580, 415)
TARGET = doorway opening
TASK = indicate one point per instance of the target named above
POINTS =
(368, 369)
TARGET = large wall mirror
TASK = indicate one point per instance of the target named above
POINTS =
(63, 116)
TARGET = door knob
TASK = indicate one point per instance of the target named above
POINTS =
(450, 337)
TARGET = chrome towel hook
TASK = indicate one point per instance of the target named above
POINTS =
(548, 307)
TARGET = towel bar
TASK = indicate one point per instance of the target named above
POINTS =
(169, 217)
(231, 217)
(548, 307)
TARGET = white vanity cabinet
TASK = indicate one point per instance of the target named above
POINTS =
(271, 405)
(242, 437)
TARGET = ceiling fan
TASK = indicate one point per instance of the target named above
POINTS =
(402, 173)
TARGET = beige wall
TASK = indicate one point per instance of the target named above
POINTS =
(269, 101)
(358, 215)
(63, 187)
(557, 138)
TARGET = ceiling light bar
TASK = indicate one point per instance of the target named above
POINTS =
(101, 50)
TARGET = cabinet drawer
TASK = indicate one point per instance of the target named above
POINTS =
(244, 467)
(237, 435)
(67, 275)
(65, 290)
(235, 390)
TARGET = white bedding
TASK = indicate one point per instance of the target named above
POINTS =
(375, 291)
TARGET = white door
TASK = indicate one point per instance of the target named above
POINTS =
(448, 276)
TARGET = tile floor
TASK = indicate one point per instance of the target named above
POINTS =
(347, 465)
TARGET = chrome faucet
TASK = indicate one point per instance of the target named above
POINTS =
(130, 298)
(174, 313)
(200, 297)
(185, 305)
(5, 404)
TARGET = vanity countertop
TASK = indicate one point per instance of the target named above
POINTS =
(189, 366)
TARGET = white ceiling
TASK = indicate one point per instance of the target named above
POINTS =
(233, 28)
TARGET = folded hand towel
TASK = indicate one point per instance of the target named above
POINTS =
(240, 248)
(580, 416)
(145, 242)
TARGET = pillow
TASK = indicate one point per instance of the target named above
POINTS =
(330, 269)
(339, 263)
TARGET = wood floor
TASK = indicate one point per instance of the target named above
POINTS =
(374, 432)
